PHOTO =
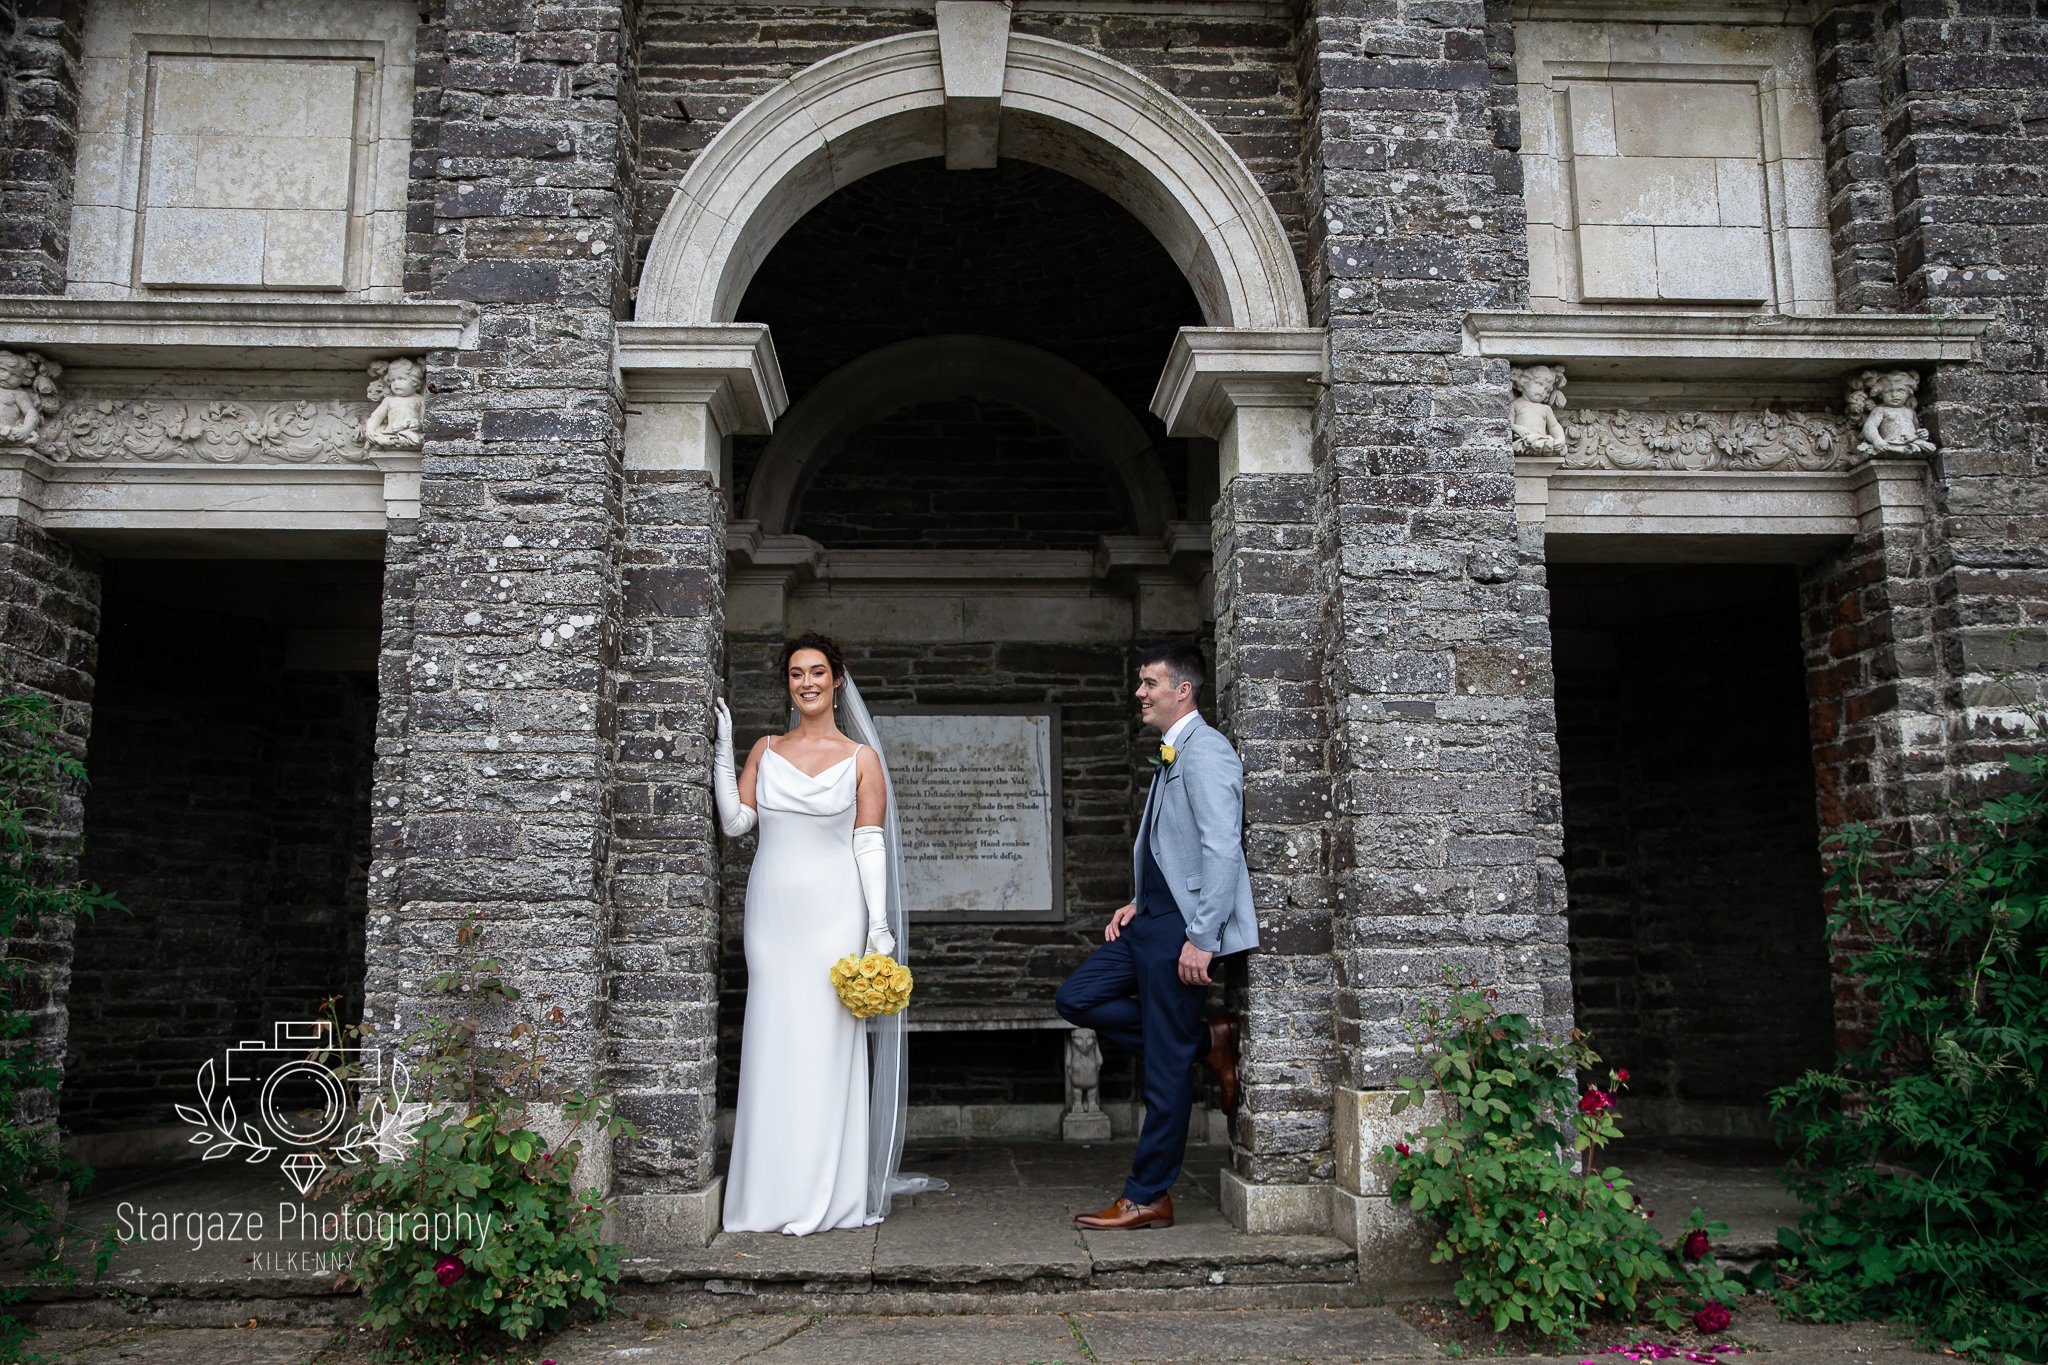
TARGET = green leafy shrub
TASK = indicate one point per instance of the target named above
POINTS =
(1538, 1234)
(36, 890)
(1923, 1156)
(529, 1254)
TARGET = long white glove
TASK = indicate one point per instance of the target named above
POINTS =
(734, 816)
(871, 856)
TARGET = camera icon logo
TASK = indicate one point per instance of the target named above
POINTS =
(308, 1094)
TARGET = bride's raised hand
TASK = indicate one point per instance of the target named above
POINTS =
(735, 816)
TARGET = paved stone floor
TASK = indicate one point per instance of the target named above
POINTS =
(1306, 1336)
(988, 1270)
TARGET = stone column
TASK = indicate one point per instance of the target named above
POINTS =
(39, 149)
(1447, 829)
(1252, 393)
(690, 389)
(496, 741)
(49, 643)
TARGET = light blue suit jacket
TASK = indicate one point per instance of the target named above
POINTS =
(1194, 816)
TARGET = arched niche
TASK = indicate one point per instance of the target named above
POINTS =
(925, 369)
(884, 102)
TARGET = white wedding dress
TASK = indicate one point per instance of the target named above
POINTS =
(800, 1158)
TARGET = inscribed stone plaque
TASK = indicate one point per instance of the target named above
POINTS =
(978, 802)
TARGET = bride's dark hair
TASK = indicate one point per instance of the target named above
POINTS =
(824, 644)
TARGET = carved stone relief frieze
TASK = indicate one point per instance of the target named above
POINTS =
(1743, 440)
(159, 420)
(216, 431)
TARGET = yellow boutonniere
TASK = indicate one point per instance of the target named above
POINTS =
(1164, 758)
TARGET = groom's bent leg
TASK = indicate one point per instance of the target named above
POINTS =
(1102, 995)
(1172, 1013)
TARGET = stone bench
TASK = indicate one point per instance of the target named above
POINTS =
(1083, 1120)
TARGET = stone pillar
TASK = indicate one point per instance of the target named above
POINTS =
(1447, 829)
(1252, 393)
(49, 643)
(1875, 691)
(496, 742)
(1859, 188)
(690, 389)
(38, 143)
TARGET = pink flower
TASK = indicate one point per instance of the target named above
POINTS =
(1595, 1101)
(1621, 1076)
(1696, 1245)
(1713, 1318)
(449, 1269)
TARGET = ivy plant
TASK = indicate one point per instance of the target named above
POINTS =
(1922, 1155)
(38, 890)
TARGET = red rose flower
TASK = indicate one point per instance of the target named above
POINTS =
(449, 1269)
(1595, 1101)
(1401, 1147)
(1696, 1245)
(1713, 1318)
(1621, 1076)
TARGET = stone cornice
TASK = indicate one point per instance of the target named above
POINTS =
(1211, 372)
(1700, 345)
(730, 367)
(229, 335)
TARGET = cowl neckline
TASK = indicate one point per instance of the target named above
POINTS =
(784, 786)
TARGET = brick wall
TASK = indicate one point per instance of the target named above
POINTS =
(1446, 831)
(40, 44)
(961, 475)
(49, 643)
(1699, 945)
(230, 812)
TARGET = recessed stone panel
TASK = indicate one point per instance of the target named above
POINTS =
(260, 154)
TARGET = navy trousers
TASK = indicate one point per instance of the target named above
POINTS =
(1130, 992)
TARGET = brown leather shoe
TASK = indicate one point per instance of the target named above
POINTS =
(1123, 1215)
(1221, 1058)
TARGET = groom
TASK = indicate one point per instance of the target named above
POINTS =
(1144, 987)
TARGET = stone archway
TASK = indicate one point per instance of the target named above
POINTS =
(694, 377)
(886, 102)
(1058, 393)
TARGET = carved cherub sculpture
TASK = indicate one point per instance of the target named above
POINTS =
(28, 394)
(1883, 407)
(1084, 1072)
(396, 388)
(1539, 391)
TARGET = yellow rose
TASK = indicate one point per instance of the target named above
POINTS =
(1166, 753)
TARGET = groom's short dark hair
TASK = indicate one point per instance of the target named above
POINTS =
(1182, 660)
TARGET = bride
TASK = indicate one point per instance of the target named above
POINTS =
(814, 1146)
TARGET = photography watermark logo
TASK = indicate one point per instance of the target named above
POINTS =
(313, 1100)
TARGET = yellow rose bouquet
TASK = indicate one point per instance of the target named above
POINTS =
(871, 985)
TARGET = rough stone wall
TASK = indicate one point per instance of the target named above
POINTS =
(664, 875)
(1446, 834)
(1270, 591)
(1859, 187)
(38, 142)
(230, 812)
(496, 798)
(1965, 86)
(922, 479)
(49, 643)
(1699, 957)
(1102, 784)
(701, 64)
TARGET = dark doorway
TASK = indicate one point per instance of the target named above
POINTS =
(232, 740)
(1691, 845)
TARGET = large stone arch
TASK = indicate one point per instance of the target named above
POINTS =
(883, 381)
(884, 102)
